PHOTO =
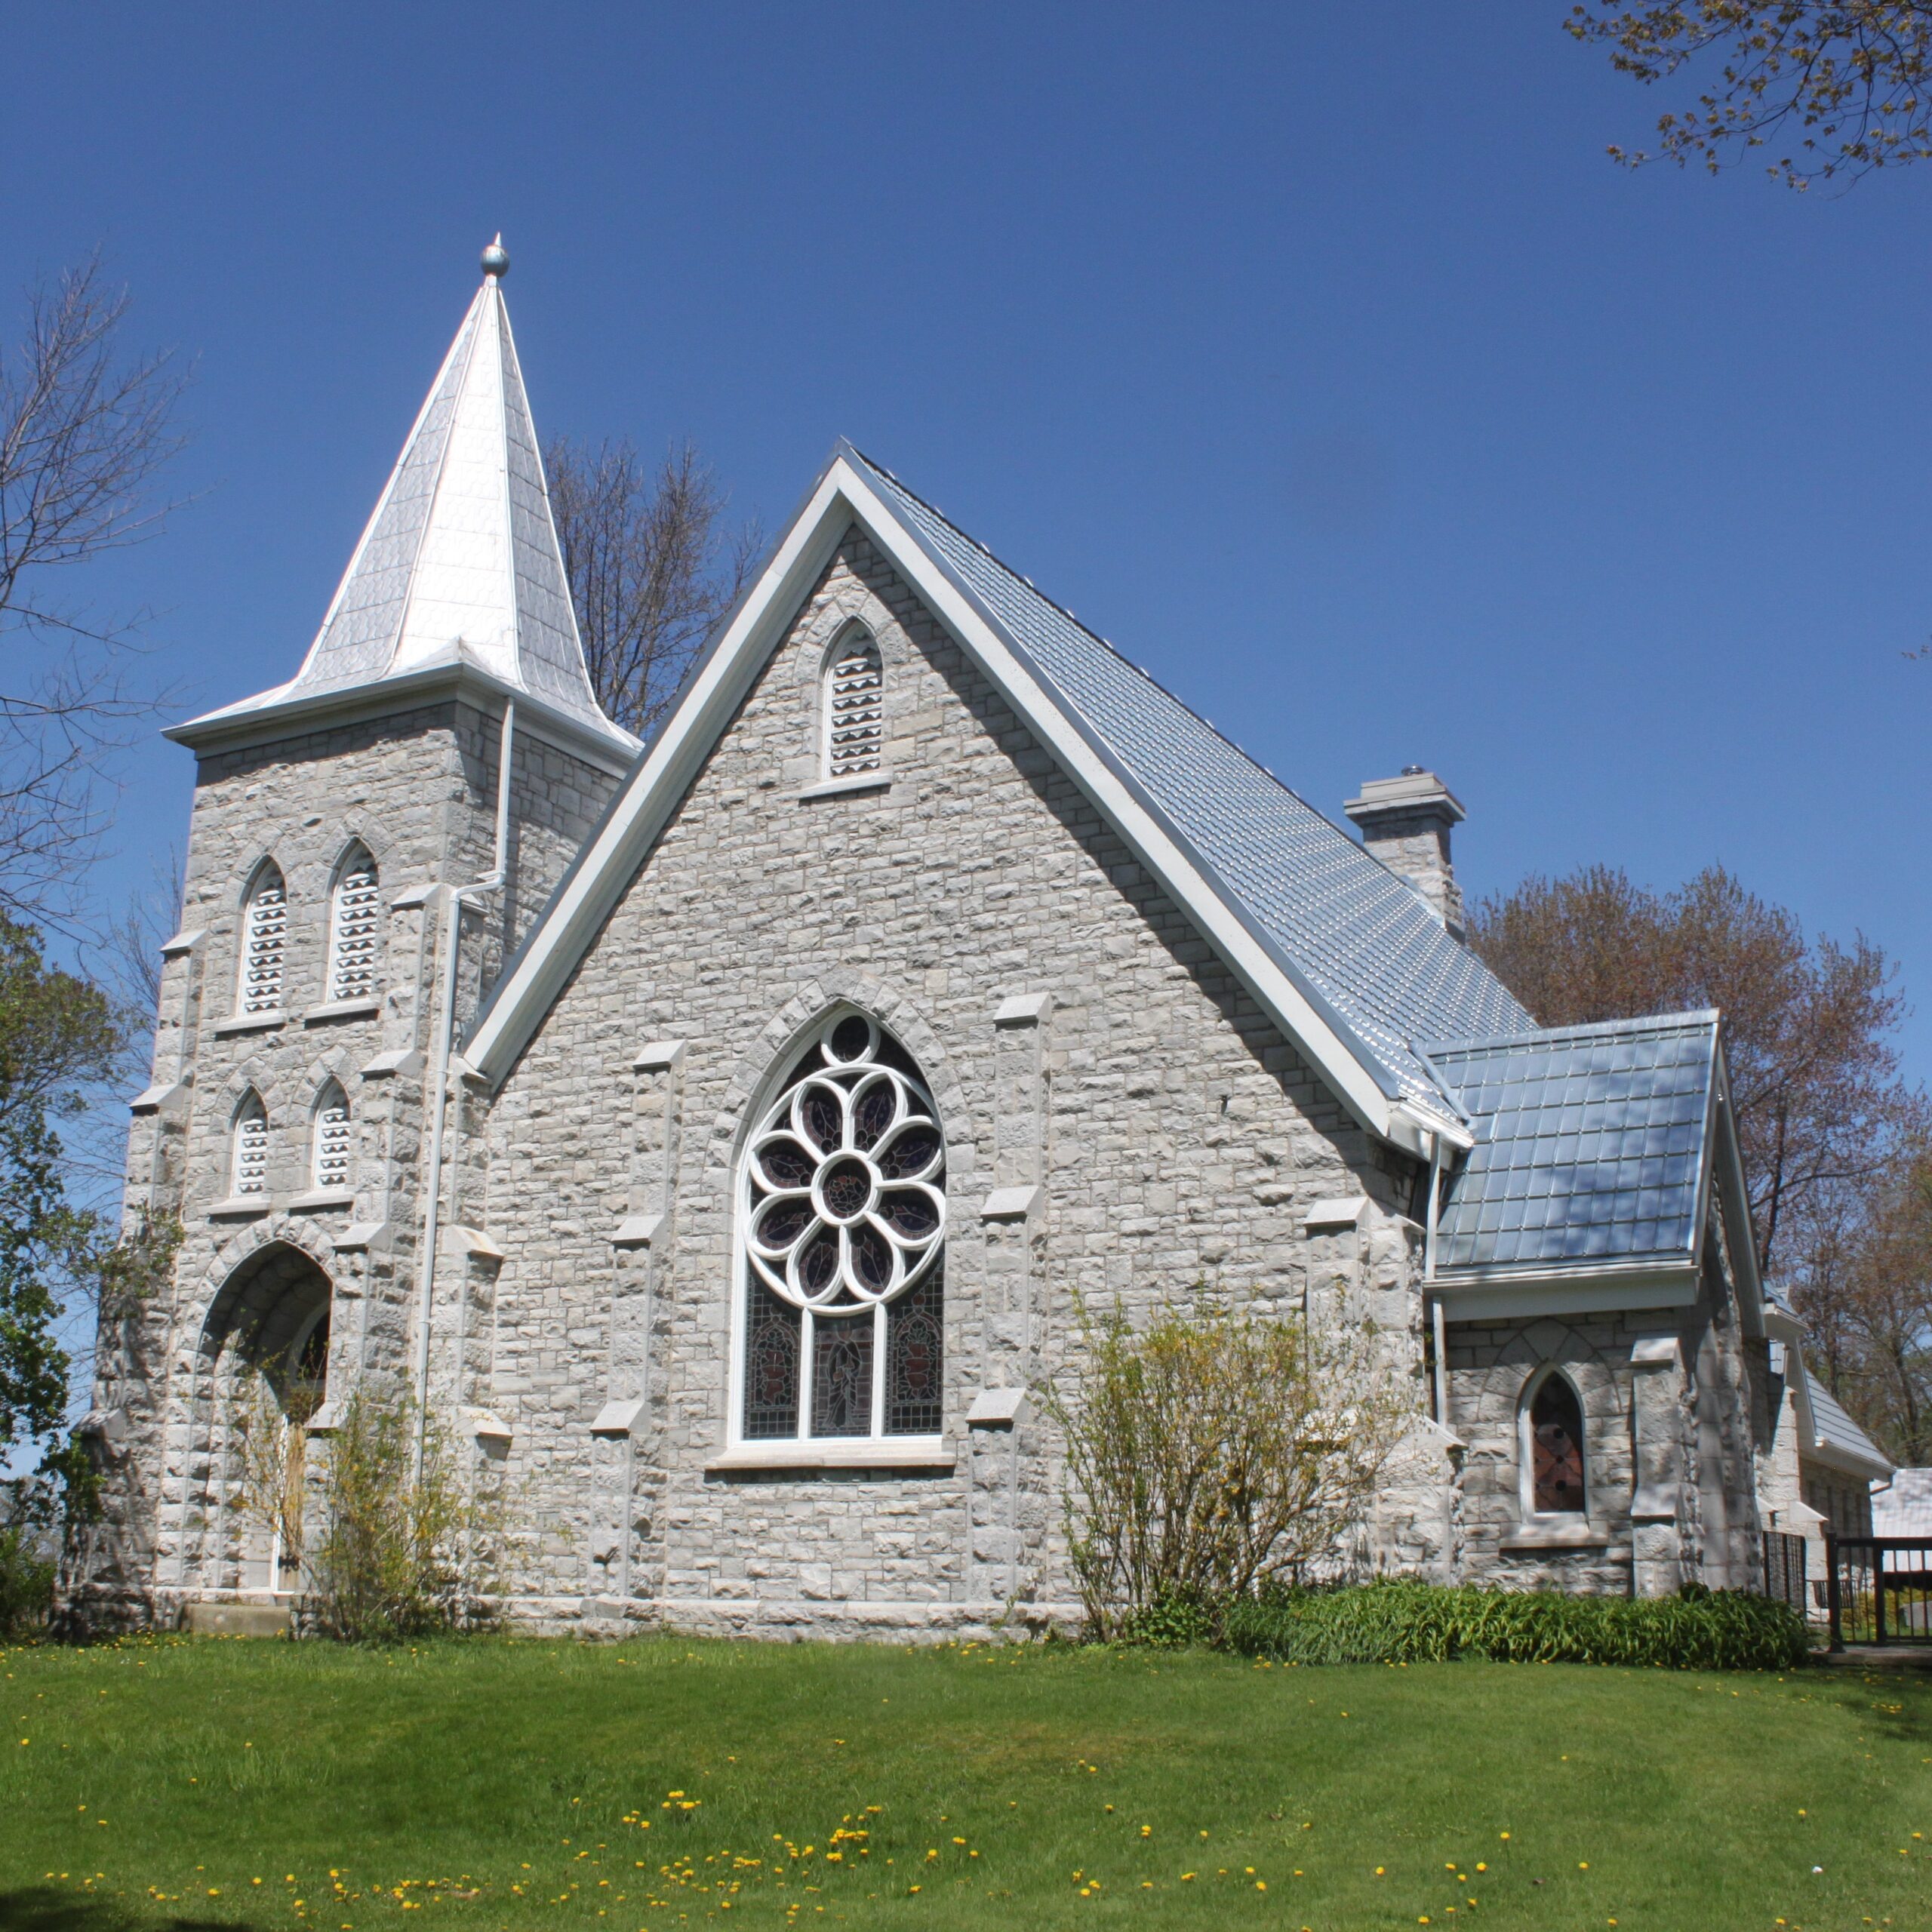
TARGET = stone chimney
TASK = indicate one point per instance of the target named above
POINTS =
(1406, 822)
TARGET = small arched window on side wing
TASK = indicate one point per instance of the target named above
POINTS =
(853, 706)
(1552, 1445)
(248, 1158)
(330, 1152)
(354, 926)
(264, 943)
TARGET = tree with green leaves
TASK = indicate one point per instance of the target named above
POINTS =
(1820, 89)
(60, 1037)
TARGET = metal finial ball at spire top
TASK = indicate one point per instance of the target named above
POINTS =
(496, 259)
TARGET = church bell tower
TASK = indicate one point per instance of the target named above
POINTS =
(368, 842)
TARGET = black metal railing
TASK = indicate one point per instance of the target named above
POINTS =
(1784, 1569)
(1878, 1589)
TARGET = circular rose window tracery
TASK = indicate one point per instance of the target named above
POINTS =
(845, 1181)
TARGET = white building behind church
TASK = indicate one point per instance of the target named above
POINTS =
(715, 1133)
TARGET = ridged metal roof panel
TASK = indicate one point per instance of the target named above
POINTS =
(1590, 1143)
(1364, 939)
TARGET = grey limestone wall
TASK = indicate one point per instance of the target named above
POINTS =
(1175, 1140)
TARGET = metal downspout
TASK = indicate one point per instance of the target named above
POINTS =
(1439, 1328)
(438, 1088)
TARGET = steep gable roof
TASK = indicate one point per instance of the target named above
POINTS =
(1347, 957)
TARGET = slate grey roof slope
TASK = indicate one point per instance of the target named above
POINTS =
(1362, 941)
(1836, 1431)
(1590, 1143)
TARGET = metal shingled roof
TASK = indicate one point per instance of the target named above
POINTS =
(1835, 1429)
(1590, 1143)
(1365, 941)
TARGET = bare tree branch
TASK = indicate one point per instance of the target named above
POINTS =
(1847, 82)
(651, 563)
(84, 431)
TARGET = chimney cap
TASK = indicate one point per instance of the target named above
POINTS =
(1416, 793)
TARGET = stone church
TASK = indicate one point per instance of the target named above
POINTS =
(714, 1134)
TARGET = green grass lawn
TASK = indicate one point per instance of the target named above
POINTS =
(661, 1783)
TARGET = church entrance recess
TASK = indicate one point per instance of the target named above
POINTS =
(267, 1340)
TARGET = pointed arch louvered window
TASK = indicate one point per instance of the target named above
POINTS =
(354, 926)
(854, 708)
(329, 1141)
(264, 943)
(249, 1171)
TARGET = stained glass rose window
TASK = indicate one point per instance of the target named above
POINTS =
(843, 1200)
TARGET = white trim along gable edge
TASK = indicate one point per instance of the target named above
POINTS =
(640, 810)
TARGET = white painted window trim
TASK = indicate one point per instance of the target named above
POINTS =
(1528, 1514)
(804, 1450)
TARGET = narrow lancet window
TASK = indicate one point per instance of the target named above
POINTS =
(842, 1198)
(264, 943)
(854, 714)
(354, 914)
(249, 1171)
(1556, 1448)
(329, 1154)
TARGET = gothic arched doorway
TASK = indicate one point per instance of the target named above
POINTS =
(266, 1347)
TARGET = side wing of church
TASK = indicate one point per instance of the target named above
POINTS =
(719, 1136)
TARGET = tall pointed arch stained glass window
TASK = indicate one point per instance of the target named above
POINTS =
(1555, 1433)
(842, 1208)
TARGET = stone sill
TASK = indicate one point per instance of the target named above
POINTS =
(840, 788)
(249, 1022)
(323, 1197)
(342, 1009)
(912, 1452)
(240, 1206)
(1556, 1536)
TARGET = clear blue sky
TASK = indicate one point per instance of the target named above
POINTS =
(1315, 354)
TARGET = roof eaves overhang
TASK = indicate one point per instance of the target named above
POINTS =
(1846, 1462)
(842, 495)
(609, 747)
(1497, 1294)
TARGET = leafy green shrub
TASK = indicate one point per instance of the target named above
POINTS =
(1215, 1450)
(26, 1581)
(408, 1548)
(1401, 1622)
